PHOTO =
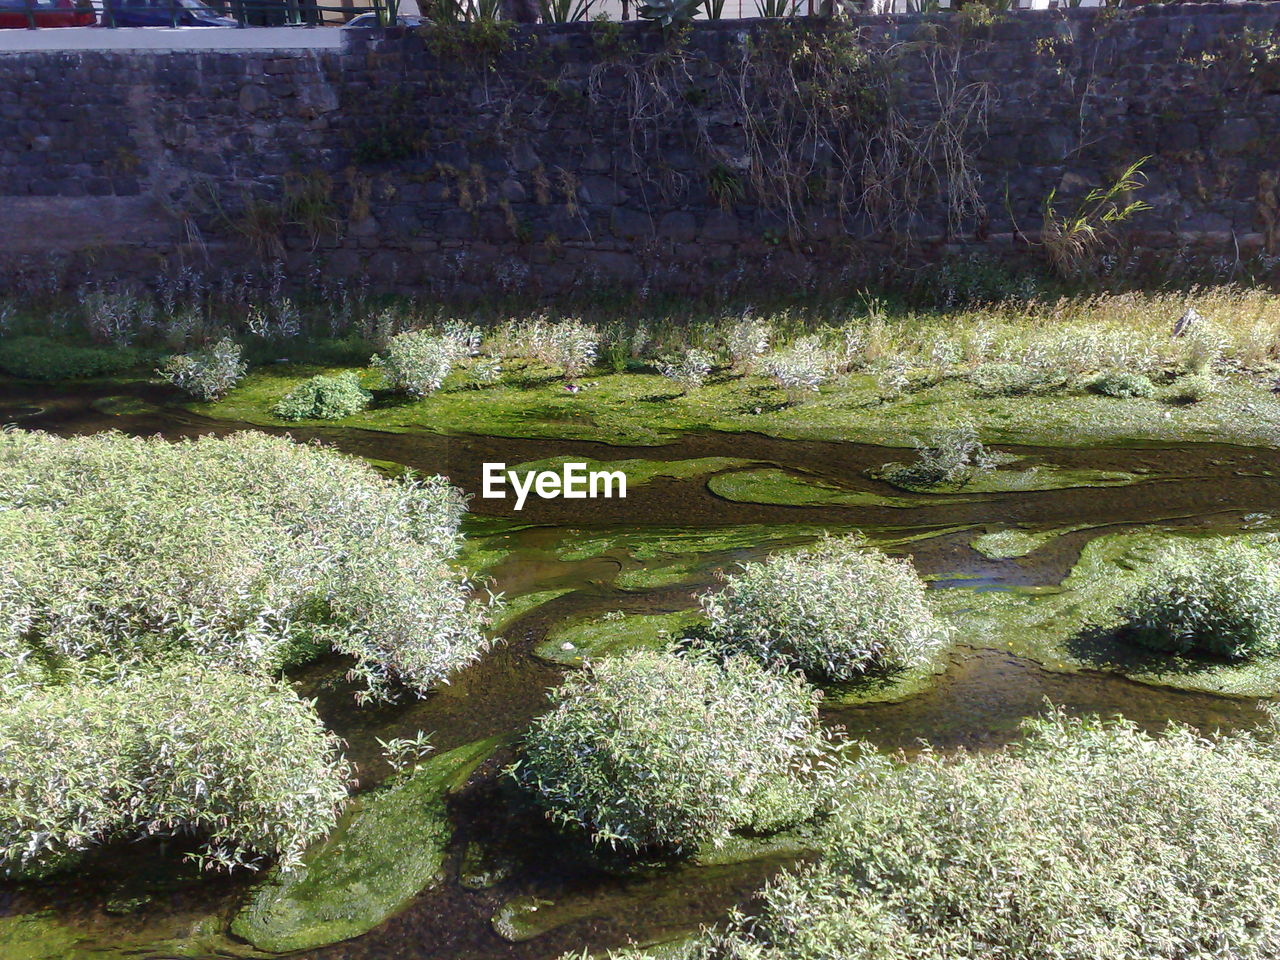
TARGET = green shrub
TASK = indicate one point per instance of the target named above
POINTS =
(838, 609)
(1120, 383)
(1012, 380)
(800, 369)
(249, 551)
(657, 750)
(484, 372)
(324, 398)
(690, 370)
(39, 358)
(1087, 841)
(571, 345)
(208, 373)
(238, 761)
(1191, 389)
(747, 340)
(952, 455)
(417, 362)
(1219, 597)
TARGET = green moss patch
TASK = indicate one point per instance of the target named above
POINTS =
(661, 542)
(773, 486)
(516, 607)
(1009, 543)
(641, 471)
(36, 936)
(610, 634)
(390, 846)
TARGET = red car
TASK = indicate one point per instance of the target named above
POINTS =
(17, 14)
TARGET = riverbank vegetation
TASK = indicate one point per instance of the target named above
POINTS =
(1085, 839)
(1030, 367)
(239, 765)
(250, 551)
(150, 595)
(671, 751)
(1098, 369)
(155, 596)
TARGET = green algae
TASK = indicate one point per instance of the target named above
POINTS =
(41, 936)
(639, 409)
(487, 541)
(662, 573)
(887, 688)
(1009, 543)
(641, 471)
(661, 892)
(36, 936)
(516, 607)
(658, 542)
(774, 486)
(660, 889)
(611, 634)
(482, 867)
(123, 406)
(389, 846)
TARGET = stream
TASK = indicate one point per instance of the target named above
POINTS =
(580, 547)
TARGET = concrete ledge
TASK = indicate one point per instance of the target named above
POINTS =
(168, 40)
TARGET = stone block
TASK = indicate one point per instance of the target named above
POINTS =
(679, 226)
(629, 224)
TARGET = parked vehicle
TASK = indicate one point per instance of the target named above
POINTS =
(17, 14)
(374, 20)
(160, 13)
(270, 13)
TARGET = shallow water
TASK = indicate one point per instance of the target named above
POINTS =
(976, 703)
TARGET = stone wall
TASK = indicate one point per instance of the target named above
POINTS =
(559, 158)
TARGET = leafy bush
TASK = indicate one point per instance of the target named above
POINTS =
(249, 551)
(689, 371)
(116, 316)
(570, 345)
(324, 398)
(418, 361)
(747, 340)
(207, 373)
(1086, 841)
(1219, 597)
(239, 761)
(1191, 389)
(1203, 345)
(800, 369)
(39, 358)
(485, 372)
(838, 609)
(1120, 383)
(952, 455)
(1011, 380)
(653, 749)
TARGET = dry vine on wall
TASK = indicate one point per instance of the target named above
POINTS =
(822, 127)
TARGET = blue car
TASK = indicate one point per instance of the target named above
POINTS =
(162, 13)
